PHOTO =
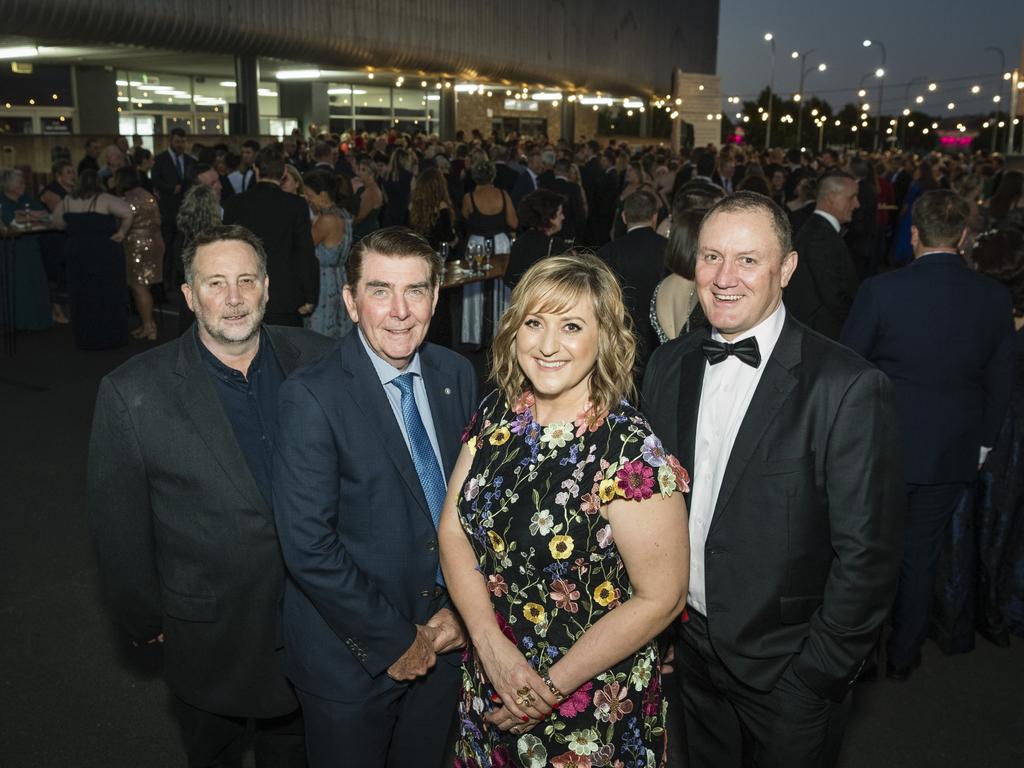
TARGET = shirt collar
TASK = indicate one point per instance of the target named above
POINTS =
(226, 372)
(386, 372)
(829, 218)
(766, 332)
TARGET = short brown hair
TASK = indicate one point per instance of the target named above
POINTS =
(217, 234)
(553, 285)
(751, 201)
(940, 216)
(392, 241)
(639, 207)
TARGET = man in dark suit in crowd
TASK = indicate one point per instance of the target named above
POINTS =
(944, 335)
(862, 234)
(92, 152)
(796, 164)
(794, 508)
(324, 156)
(179, 499)
(638, 259)
(368, 439)
(590, 176)
(281, 221)
(505, 177)
(170, 175)
(573, 208)
(528, 180)
(823, 286)
(607, 197)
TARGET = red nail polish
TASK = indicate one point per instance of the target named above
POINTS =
(525, 719)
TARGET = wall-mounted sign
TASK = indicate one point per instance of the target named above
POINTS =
(522, 105)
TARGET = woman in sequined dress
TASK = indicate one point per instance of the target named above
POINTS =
(564, 538)
(143, 248)
(327, 196)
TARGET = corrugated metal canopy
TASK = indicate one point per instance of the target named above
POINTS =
(589, 44)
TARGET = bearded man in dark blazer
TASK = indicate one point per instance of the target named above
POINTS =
(179, 498)
(794, 508)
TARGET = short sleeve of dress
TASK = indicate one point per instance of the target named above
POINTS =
(640, 467)
(481, 420)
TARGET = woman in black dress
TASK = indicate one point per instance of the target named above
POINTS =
(430, 212)
(540, 213)
(397, 188)
(96, 223)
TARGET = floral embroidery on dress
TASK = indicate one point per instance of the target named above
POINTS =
(530, 507)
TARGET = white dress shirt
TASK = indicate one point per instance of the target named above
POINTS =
(829, 218)
(725, 395)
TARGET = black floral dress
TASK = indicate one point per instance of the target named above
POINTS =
(530, 508)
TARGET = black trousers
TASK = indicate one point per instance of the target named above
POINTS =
(729, 724)
(401, 726)
(929, 510)
(219, 741)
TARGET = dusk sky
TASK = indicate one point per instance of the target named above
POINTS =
(936, 39)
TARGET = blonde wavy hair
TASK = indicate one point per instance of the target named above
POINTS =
(554, 285)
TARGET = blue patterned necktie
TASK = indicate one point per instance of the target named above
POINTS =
(423, 456)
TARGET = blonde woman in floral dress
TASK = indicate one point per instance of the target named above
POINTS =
(564, 538)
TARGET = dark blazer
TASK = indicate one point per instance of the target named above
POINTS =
(354, 524)
(165, 178)
(575, 212)
(803, 550)
(185, 541)
(505, 177)
(638, 258)
(524, 185)
(822, 288)
(281, 221)
(944, 335)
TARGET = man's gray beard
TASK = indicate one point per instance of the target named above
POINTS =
(221, 338)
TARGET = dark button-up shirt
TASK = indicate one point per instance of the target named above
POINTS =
(250, 403)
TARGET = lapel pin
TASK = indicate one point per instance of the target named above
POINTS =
(447, 390)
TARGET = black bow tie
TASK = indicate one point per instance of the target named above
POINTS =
(746, 351)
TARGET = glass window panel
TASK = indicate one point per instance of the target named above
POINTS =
(55, 125)
(372, 101)
(158, 90)
(269, 101)
(210, 124)
(15, 125)
(213, 93)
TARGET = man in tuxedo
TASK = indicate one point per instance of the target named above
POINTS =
(368, 439)
(638, 259)
(573, 208)
(823, 286)
(89, 162)
(505, 177)
(179, 500)
(244, 177)
(794, 509)
(590, 176)
(324, 156)
(944, 334)
(169, 175)
(528, 180)
(281, 221)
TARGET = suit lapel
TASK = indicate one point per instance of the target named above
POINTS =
(772, 391)
(691, 379)
(200, 402)
(369, 397)
(441, 393)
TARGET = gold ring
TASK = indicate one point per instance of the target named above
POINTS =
(524, 697)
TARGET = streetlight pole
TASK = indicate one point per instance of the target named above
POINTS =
(880, 73)
(999, 90)
(1010, 129)
(800, 91)
(906, 100)
(770, 38)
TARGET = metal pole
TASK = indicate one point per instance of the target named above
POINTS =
(999, 90)
(771, 89)
(881, 92)
(1013, 111)
(821, 135)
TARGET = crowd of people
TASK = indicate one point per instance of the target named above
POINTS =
(748, 413)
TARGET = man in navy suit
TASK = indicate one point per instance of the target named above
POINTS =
(366, 442)
(944, 335)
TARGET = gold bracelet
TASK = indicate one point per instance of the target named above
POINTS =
(553, 688)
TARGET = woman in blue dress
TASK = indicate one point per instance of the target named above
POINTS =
(31, 288)
(924, 180)
(332, 236)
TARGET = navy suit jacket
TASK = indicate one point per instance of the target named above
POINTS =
(355, 528)
(944, 336)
